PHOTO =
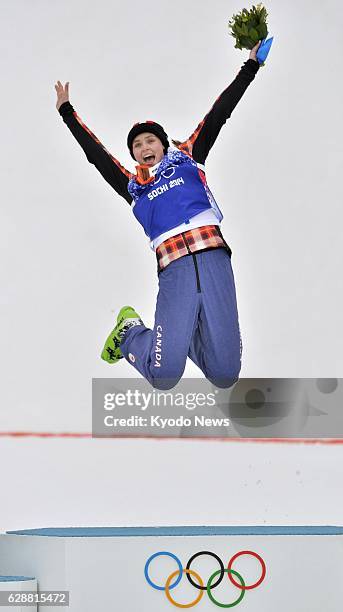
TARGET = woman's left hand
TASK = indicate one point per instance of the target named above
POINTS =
(254, 51)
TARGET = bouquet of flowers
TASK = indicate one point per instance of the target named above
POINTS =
(248, 27)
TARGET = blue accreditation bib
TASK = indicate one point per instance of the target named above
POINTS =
(178, 193)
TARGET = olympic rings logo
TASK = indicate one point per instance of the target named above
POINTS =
(175, 577)
(167, 174)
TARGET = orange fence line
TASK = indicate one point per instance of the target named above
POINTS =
(46, 434)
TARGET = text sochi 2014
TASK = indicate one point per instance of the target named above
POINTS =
(158, 190)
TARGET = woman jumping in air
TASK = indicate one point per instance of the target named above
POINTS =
(196, 311)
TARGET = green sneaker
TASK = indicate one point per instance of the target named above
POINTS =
(127, 318)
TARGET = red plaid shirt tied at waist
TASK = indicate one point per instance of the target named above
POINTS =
(194, 240)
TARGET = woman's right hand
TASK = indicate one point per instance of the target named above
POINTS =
(62, 93)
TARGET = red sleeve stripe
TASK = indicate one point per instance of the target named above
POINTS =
(123, 170)
(188, 144)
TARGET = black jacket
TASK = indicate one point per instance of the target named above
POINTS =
(198, 144)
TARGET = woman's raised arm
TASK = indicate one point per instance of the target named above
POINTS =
(109, 167)
(204, 136)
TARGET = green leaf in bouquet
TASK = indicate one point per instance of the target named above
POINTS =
(253, 34)
(263, 13)
(262, 30)
(247, 43)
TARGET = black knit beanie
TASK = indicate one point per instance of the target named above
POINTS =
(148, 126)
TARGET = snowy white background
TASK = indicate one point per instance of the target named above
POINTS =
(72, 253)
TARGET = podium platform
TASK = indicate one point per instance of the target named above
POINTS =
(251, 568)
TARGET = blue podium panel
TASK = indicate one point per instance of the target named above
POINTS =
(158, 569)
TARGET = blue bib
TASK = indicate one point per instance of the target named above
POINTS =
(178, 193)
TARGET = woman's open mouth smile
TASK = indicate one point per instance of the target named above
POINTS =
(149, 159)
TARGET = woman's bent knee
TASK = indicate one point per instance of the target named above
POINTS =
(166, 378)
(224, 378)
(164, 384)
